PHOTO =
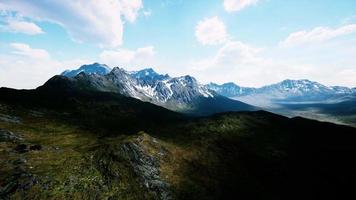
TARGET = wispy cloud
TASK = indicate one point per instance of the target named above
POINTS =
(318, 34)
(237, 5)
(24, 27)
(11, 22)
(26, 50)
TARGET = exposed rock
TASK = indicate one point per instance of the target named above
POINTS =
(10, 119)
(35, 113)
(19, 180)
(146, 85)
(147, 167)
(8, 136)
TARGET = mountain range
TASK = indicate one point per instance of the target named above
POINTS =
(297, 98)
(184, 94)
(287, 90)
(95, 135)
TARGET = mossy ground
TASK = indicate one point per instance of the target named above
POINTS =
(67, 165)
(75, 163)
(246, 155)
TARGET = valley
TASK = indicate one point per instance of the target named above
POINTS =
(294, 98)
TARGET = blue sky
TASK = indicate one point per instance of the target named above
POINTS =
(249, 42)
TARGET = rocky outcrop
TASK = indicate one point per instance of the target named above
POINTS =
(138, 158)
(20, 180)
(147, 167)
(8, 136)
(10, 119)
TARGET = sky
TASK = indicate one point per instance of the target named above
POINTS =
(249, 42)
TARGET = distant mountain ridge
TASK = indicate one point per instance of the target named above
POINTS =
(183, 94)
(287, 90)
(94, 68)
(230, 89)
(292, 98)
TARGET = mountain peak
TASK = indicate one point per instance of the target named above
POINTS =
(149, 74)
(188, 77)
(230, 84)
(149, 70)
(302, 81)
(118, 70)
(146, 72)
(301, 84)
(95, 68)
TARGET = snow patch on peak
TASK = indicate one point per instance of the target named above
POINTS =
(146, 84)
(94, 68)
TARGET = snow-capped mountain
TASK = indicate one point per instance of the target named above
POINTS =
(287, 90)
(230, 89)
(159, 89)
(94, 68)
(176, 93)
(293, 98)
(148, 75)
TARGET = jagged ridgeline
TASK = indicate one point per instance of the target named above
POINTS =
(183, 94)
(70, 140)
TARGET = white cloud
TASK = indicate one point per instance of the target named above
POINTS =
(236, 50)
(25, 67)
(318, 34)
(234, 61)
(130, 8)
(94, 21)
(236, 5)
(23, 27)
(11, 22)
(211, 31)
(330, 64)
(129, 59)
(231, 54)
(26, 50)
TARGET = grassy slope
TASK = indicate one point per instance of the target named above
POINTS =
(244, 155)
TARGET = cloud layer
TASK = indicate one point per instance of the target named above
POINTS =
(25, 67)
(331, 63)
(95, 21)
